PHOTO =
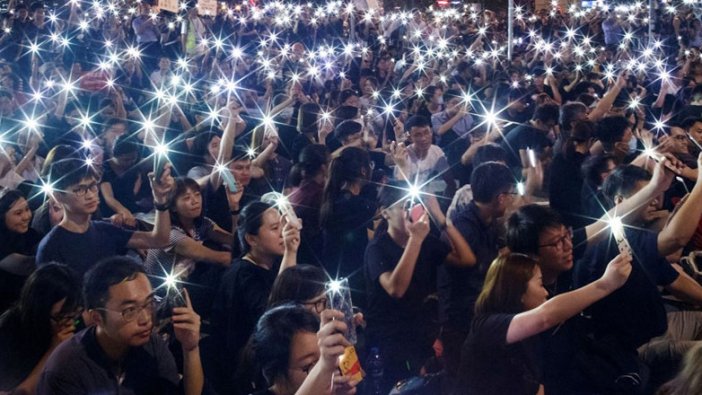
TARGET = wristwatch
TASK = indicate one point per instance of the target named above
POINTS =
(161, 207)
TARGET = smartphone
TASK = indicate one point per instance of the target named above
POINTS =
(229, 180)
(339, 298)
(160, 161)
(416, 212)
(173, 298)
(532, 157)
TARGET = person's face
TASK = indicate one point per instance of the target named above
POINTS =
(696, 132)
(650, 210)
(164, 64)
(81, 198)
(453, 106)
(18, 217)
(62, 320)
(555, 250)
(23, 14)
(127, 160)
(39, 14)
(354, 140)
(317, 304)
(241, 170)
(213, 147)
(352, 101)
(189, 204)
(130, 294)
(396, 216)
(368, 87)
(304, 354)
(438, 97)
(627, 136)
(679, 139)
(55, 212)
(535, 294)
(610, 168)
(269, 239)
(421, 137)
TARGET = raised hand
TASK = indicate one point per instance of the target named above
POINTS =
(186, 324)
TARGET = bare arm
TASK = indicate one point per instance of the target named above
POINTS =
(196, 251)
(682, 225)
(607, 100)
(564, 306)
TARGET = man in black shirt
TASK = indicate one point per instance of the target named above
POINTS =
(493, 189)
(121, 353)
(532, 135)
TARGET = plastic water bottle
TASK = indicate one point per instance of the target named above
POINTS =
(375, 368)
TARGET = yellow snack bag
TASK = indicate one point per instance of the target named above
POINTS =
(350, 365)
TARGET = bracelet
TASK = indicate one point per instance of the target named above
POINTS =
(234, 212)
(161, 207)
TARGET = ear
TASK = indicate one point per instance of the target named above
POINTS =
(95, 317)
(250, 239)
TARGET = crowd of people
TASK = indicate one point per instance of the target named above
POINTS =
(182, 191)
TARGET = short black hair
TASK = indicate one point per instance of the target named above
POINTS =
(297, 284)
(346, 129)
(417, 121)
(344, 113)
(489, 180)
(106, 273)
(346, 94)
(547, 112)
(36, 5)
(610, 130)
(526, 224)
(489, 153)
(570, 112)
(69, 171)
(622, 181)
(273, 337)
(452, 93)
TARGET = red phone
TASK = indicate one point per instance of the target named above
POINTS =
(416, 212)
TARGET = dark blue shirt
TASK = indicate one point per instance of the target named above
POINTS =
(459, 287)
(81, 251)
(634, 313)
(80, 366)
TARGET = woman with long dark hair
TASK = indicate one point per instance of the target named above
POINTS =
(307, 177)
(349, 205)
(500, 355)
(18, 243)
(269, 246)
(43, 318)
(566, 182)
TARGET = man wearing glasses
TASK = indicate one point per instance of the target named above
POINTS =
(122, 353)
(79, 242)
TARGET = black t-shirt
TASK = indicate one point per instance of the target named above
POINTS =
(122, 188)
(400, 319)
(81, 251)
(565, 187)
(19, 353)
(634, 313)
(240, 302)
(491, 366)
(459, 287)
(523, 137)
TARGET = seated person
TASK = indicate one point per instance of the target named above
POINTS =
(292, 350)
(421, 161)
(122, 181)
(41, 320)
(400, 264)
(18, 246)
(121, 352)
(269, 246)
(75, 187)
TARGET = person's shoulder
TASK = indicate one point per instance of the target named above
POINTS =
(69, 354)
